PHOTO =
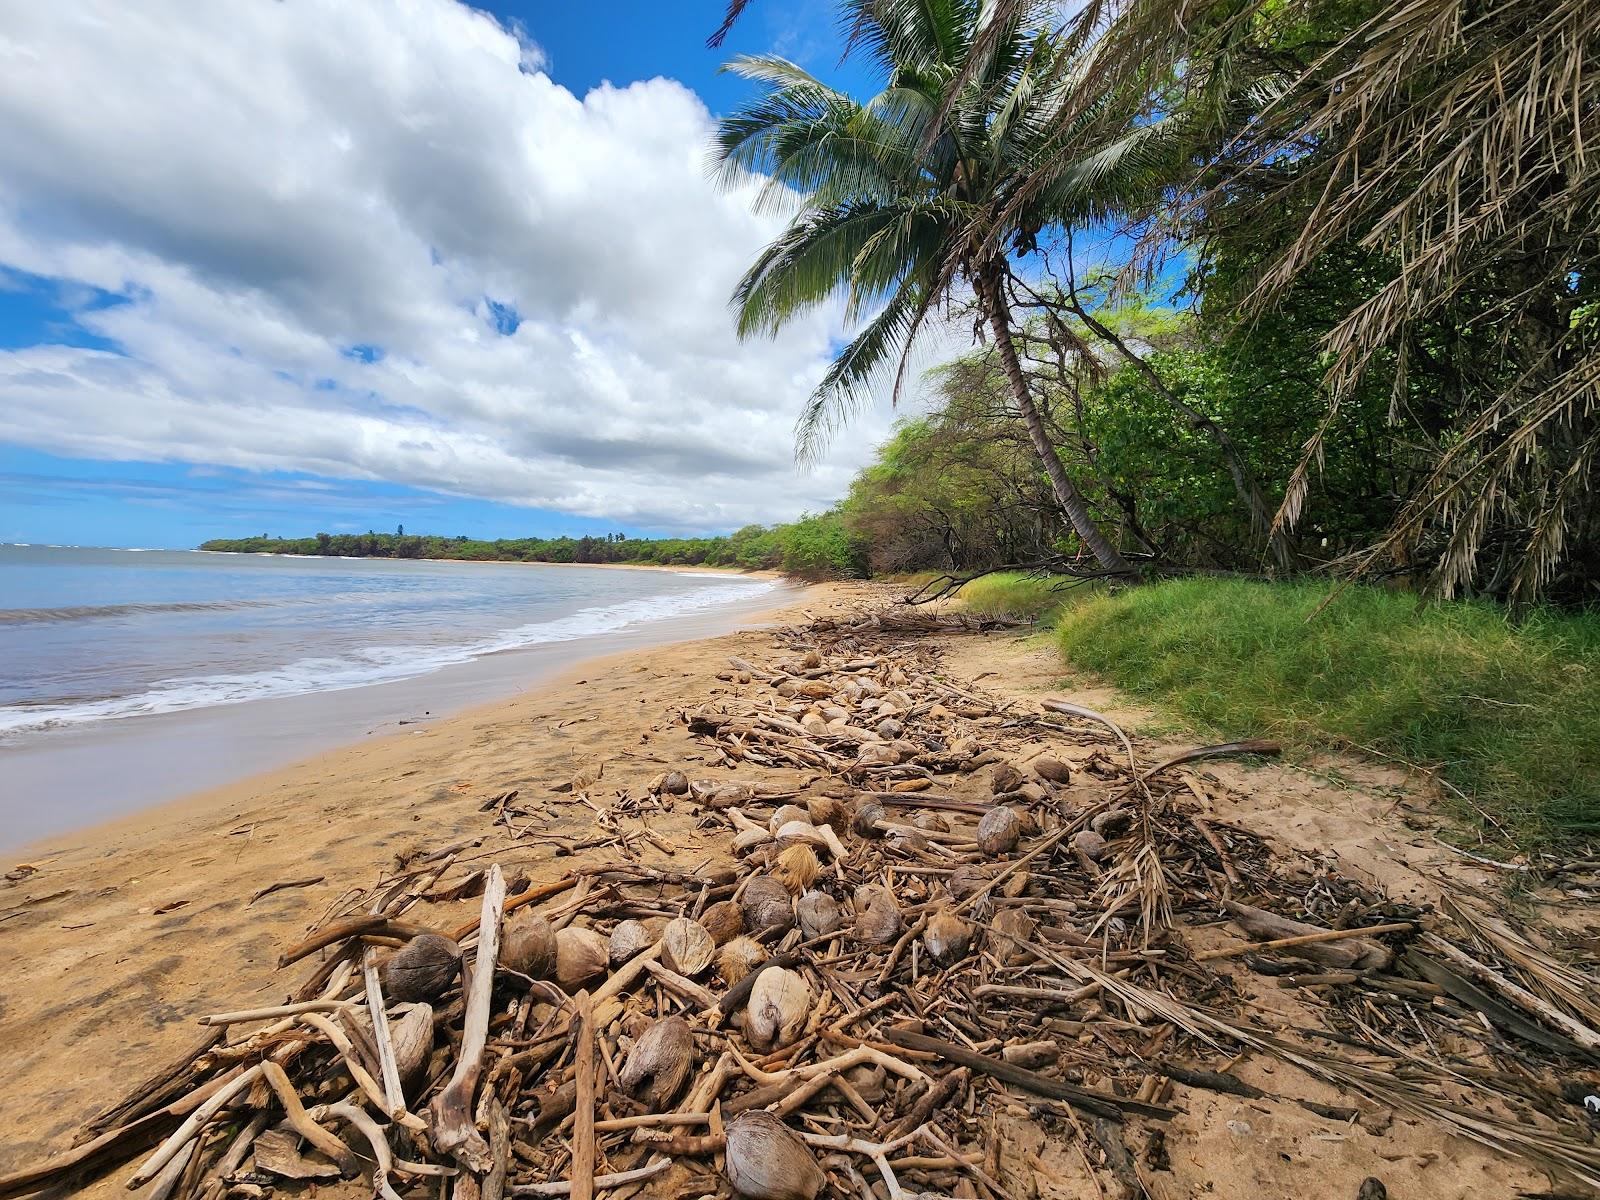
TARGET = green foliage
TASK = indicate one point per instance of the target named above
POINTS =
(958, 488)
(820, 547)
(1509, 713)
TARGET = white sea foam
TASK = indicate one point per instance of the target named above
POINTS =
(368, 666)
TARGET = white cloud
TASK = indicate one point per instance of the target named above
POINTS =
(272, 186)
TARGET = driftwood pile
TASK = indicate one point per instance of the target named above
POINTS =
(936, 910)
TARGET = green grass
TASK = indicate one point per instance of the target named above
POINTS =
(1018, 594)
(1509, 713)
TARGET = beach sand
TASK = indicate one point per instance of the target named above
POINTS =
(120, 937)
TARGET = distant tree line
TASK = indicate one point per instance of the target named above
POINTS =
(813, 547)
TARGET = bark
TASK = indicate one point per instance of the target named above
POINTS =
(1067, 495)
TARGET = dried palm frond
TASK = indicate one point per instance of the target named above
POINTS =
(1450, 141)
(1542, 973)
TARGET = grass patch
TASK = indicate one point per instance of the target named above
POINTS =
(1019, 594)
(1509, 713)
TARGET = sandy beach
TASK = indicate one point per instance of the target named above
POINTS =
(120, 937)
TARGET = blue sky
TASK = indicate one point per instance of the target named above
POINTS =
(443, 359)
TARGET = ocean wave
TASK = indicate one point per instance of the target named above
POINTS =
(86, 612)
(363, 668)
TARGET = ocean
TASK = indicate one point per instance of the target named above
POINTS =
(196, 667)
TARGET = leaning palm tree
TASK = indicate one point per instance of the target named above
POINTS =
(904, 199)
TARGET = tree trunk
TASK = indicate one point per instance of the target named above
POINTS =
(1068, 497)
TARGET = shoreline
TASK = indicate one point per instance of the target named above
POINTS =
(169, 759)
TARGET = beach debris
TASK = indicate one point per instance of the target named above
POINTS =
(819, 913)
(739, 958)
(922, 911)
(659, 1063)
(723, 921)
(528, 945)
(767, 906)
(423, 969)
(779, 1004)
(999, 831)
(581, 956)
(766, 1160)
(947, 937)
(629, 939)
(686, 947)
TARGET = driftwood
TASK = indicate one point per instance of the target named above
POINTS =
(1336, 948)
(454, 1132)
(583, 1182)
(1099, 1104)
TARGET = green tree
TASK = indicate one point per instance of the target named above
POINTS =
(910, 195)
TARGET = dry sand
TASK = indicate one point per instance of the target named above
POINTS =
(115, 945)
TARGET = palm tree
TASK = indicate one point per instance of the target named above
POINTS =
(906, 197)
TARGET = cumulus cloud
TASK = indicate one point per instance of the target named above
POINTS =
(372, 240)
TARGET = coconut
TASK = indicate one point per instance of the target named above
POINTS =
(528, 944)
(723, 921)
(1090, 844)
(581, 955)
(659, 1062)
(969, 879)
(766, 905)
(786, 813)
(930, 822)
(629, 939)
(675, 783)
(1010, 935)
(780, 1003)
(877, 754)
(738, 958)
(1004, 778)
(747, 840)
(868, 816)
(999, 831)
(889, 729)
(686, 947)
(908, 841)
(764, 1160)
(800, 833)
(423, 968)
(877, 915)
(1051, 769)
(947, 937)
(797, 868)
(826, 810)
(819, 914)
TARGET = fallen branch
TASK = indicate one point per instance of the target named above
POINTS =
(1100, 1104)
(451, 1111)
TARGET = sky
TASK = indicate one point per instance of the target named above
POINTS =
(329, 265)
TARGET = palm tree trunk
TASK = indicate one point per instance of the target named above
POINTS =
(998, 312)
